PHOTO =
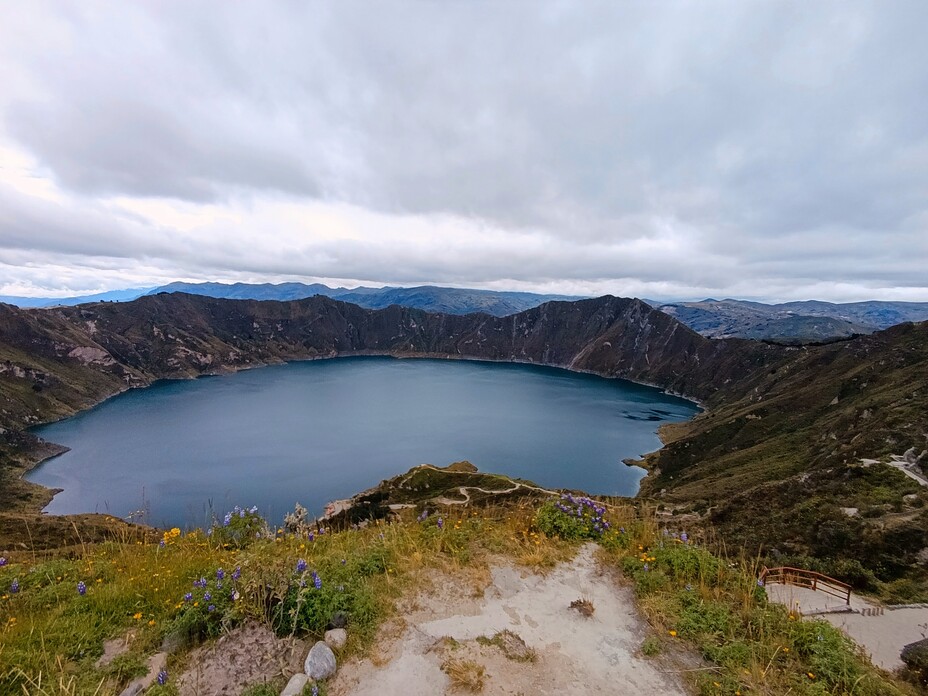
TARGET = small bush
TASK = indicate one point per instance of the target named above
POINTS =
(572, 518)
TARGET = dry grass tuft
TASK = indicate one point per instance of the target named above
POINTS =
(584, 606)
(465, 674)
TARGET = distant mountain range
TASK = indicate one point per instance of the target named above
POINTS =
(791, 322)
(428, 297)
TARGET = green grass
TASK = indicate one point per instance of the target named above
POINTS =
(51, 636)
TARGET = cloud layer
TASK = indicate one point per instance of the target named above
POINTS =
(670, 150)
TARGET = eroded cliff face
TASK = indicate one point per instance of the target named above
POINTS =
(56, 361)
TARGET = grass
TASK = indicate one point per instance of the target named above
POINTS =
(466, 675)
(51, 635)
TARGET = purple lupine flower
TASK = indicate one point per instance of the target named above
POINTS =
(2, 561)
(219, 584)
(188, 597)
(220, 573)
(208, 596)
(237, 573)
(163, 677)
(227, 520)
(14, 588)
(312, 537)
(81, 588)
(344, 561)
(684, 537)
(161, 544)
(200, 583)
(317, 581)
(302, 582)
(646, 567)
(241, 514)
(315, 691)
(440, 523)
(300, 566)
(760, 583)
(253, 509)
(211, 608)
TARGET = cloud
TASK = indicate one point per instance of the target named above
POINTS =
(689, 149)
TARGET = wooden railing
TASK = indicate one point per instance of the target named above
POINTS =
(808, 579)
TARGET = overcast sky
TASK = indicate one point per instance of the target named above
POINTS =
(672, 150)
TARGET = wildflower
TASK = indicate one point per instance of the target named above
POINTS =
(14, 588)
(646, 567)
(315, 691)
(234, 595)
(311, 536)
(684, 537)
(344, 561)
(673, 634)
(201, 583)
(317, 581)
(161, 544)
(440, 523)
(137, 615)
(208, 596)
(81, 588)
(227, 520)
(211, 608)
(237, 573)
(2, 561)
(162, 677)
(810, 675)
(188, 597)
(301, 566)
(220, 573)
(253, 509)
(760, 583)
(151, 623)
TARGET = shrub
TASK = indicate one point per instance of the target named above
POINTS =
(572, 518)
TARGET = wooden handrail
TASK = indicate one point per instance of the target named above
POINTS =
(800, 577)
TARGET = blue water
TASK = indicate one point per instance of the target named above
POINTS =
(311, 432)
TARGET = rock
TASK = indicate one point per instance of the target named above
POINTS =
(295, 686)
(910, 498)
(320, 663)
(909, 456)
(156, 663)
(336, 638)
(339, 620)
(915, 655)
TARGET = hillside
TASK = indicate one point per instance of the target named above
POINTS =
(771, 463)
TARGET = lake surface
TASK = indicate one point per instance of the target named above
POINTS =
(321, 430)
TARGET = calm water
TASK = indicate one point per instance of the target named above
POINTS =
(317, 431)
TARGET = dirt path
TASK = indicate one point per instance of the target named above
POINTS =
(573, 654)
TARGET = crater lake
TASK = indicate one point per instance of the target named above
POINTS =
(312, 432)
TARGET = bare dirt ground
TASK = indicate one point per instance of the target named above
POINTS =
(251, 654)
(573, 654)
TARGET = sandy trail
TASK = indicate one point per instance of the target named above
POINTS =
(575, 654)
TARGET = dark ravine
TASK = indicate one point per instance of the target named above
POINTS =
(771, 421)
